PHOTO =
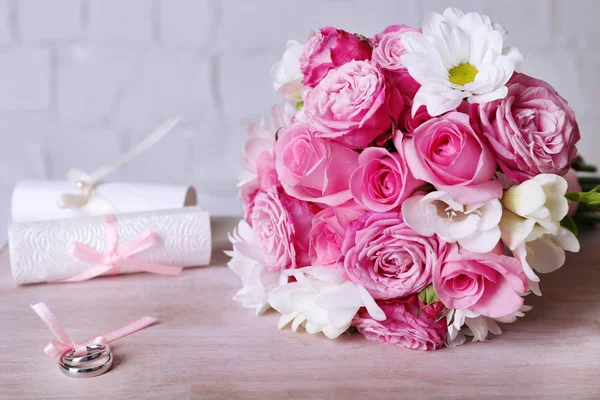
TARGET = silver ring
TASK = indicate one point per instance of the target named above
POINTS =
(97, 361)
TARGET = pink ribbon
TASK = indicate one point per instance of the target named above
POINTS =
(109, 262)
(65, 343)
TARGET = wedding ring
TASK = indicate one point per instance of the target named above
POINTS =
(97, 361)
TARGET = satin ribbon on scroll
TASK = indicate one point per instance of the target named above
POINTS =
(65, 343)
(108, 263)
(86, 183)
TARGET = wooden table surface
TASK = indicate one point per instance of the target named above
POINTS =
(208, 346)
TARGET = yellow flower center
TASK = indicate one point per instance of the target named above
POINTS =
(463, 74)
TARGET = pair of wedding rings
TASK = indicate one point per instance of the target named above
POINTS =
(97, 361)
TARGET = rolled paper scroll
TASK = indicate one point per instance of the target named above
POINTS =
(42, 251)
(37, 200)
(88, 194)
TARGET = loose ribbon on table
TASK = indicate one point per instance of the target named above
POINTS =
(115, 257)
(65, 343)
(86, 183)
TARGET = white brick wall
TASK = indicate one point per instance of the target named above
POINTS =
(81, 80)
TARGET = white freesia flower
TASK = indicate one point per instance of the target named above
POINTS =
(321, 300)
(541, 199)
(458, 56)
(474, 226)
(531, 225)
(286, 75)
(247, 262)
(463, 323)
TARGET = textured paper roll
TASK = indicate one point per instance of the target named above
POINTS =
(38, 200)
(39, 251)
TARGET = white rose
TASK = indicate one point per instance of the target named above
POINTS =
(286, 75)
(474, 226)
(247, 262)
(321, 300)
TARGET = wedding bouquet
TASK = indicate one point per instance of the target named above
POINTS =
(411, 188)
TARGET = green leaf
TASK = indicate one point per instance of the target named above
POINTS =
(573, 196)
(568, 223)
(592, 197)
(428, 295)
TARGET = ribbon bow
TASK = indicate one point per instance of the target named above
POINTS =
(86, 183)
(65, 343)
(115, 257)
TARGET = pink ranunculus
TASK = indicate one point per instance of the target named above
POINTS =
(533, 129)
(386, 257)
(353, 105)
(573, 185)
(314, 169)
(489, 284)
(449, 154)
(330, 48)
(382, 180)
(328, 232)
(404, 325)
(388, 47)
(281, 225)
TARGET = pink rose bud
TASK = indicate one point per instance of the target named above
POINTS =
(330, 48)
(532, 130)
(573, 185)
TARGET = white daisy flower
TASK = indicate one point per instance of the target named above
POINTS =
(458, 56)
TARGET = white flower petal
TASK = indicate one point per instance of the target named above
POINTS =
(520, 252)
(544, 256)
(414, 212)
(525, 198)
(567, 240)
(482, 241)
(491, 214)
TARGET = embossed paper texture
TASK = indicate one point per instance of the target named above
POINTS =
(39, 251)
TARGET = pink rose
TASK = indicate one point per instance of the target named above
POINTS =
(404, 325)
(448, 153)
(281, 225)
(328, 49)
(353, 105)
(386, 257)
(382, 180)
(388, 47)
(407, 123)
(327, 233)
(313, 169)
(573, 185)
(489, 284)
(533, 129)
